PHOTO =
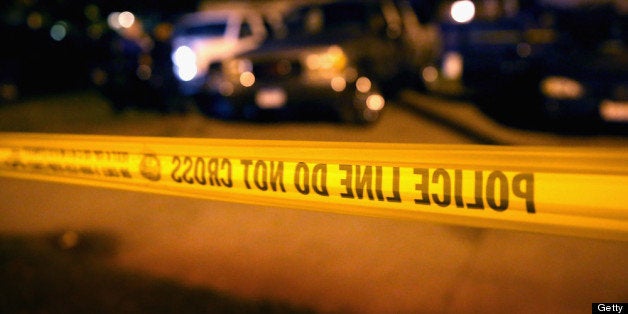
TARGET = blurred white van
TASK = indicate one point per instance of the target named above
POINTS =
(202, 38)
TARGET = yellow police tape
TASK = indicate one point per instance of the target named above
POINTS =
(565, 191)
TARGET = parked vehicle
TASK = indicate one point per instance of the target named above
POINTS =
(532, 62)
(46, 48)
(341, 57)
(486, 47)
(134, 68)
(210, 36)
(585, 76)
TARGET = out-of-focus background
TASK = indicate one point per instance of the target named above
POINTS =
(493, 72)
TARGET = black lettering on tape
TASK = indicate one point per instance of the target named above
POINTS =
(526, 179)
(458, 188)
(187, 164)
(177, 162)
(246, 163)
(379, 177)
(199, 166)
(265, 175)
(396, 198)
(320, 186)
(346, 181)
(495, 191)
(83, 169)
(491, 181)
(200, 171)
(260, 167)
(423, 187)
(446, 200)
(276, 175)
(212, 171)
(55, 167)
(229, 182)
(479, 201)
(318, 179)
(362, 181)
(302, 175)
(125, 173)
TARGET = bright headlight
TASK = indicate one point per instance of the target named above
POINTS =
(462, 11)
(453, 65)
(560, 87)
(184, 60)
(375, 102)
(120, 20)
(331, 59)
(235, 67)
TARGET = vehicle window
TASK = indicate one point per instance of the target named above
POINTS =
(344, 15)
(305, 21)
(352, 17)
(245, 30)
(216, 29)
(587, 26)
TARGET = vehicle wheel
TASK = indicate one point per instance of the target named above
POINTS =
(118, 102)
(253, 113)
(403, 80)
(521, 110)
(203, 103)
(358, 115)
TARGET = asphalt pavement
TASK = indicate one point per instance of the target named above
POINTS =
(467, 118)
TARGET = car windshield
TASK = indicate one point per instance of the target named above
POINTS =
(590, 26)
(210, 30)
(329, 19)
